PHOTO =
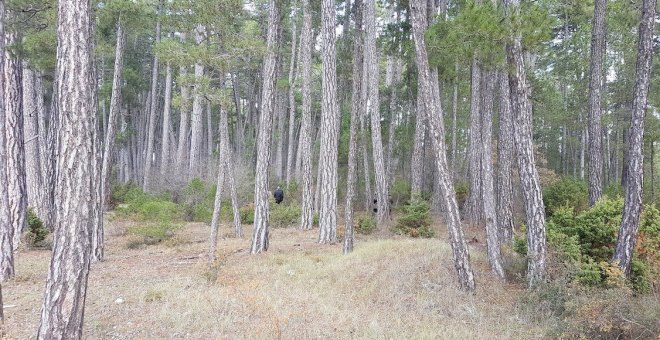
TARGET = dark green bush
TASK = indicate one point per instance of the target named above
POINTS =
(566, 192)
(36, 233)
(415, 220)
(366, 224)
(247, 214)
(284, 215)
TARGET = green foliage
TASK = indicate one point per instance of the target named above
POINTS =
(247, 214)
(415, 220)
(462, 193)
(567, 192)
(400, 191)
(36, 233)
(136, 204)
(198, 200)
(284, 215)
(150, 234)
(366, 224)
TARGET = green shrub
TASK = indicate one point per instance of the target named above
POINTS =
(141, 206)
(400, 192)
(366, 224)
(416, 219)
(284, 216)
(462, 192)
(198, 201)
(247, 214)
(150, 234)
(566, 192)
(36, 233)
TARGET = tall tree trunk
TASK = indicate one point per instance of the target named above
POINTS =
(431, 97)
(196, 126)
(153, 105)
(488, 187)
(6, 228)
(473, 208)
(505, 157)
(454, 114)
(260, 235)
(595, 97)
(329, 126)
(115, 106)
(167, 123)
(417, 163)
(371, 83)
(43, 133)
(529, 178)
(292, 107)
(368, 193)
(279, 152)
(75, 190)
(625, 244)
(307, 216)
(15, 147)
(184, 119)
(34, 180)
(357, 104)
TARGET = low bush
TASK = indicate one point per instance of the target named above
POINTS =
(282, 216)
(247, 213)
(198, 199)
(150, 234)
(366, 224)
(415, 220)
(568, 192)
(36, 233)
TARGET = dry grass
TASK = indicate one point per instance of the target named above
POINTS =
(388, 288)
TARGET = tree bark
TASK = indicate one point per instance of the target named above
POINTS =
(196, 126)
(473, 208)
(165, 164)
(488, 187)
(598, 34)
(627, 237)
(292, 108)
(505, 157)
(529, 178)
(357, 103)
(15, 142)
(371, 84)
(417, 163)
(431, 96)
(260, 230)
(153, 105)
(6, 228)
(32, 135)
(329, 126)
(184, 119)
(307, 215)
(75, 190)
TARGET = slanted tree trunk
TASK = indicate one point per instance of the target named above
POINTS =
(307, 214)
(196, 126)
(260, 231)
(371, 83)
(505, 157)
(153, 105)
(329, 126)
(6, 228)
(529, 178)
(488, 187)
(165, 164)
(292, 107)
(357, 104)
(15, 143)
(431, 97)
(595, 97)
(115, 105)
(34, 180)
(473, 208)
(625, 244)
(75, 190)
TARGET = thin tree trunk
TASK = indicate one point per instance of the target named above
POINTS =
(153, 105)
(488, 187)
(417, 166)
(6, 228)
(209, 140)
(279, 152)
(454, 114)
(627, 237)
(505, 158)
(307, 214)
(431, 96)
(260, 230)
(15, 143)
(357, 104)
(66, 288)
(371, 84)
(292, 108)
(529, 178)
(167, 113)
(43, 132)
(182, 146)
(473, 210)
(196, 125)
(595, 97)
(329, 126)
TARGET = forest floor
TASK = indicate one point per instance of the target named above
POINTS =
(390, 287)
